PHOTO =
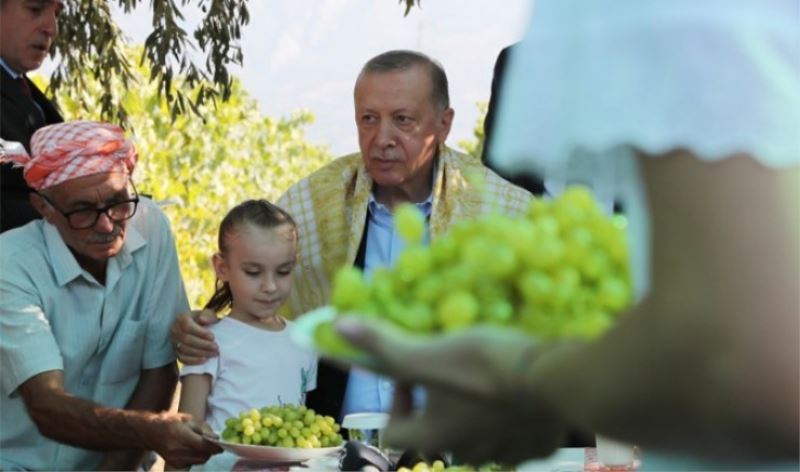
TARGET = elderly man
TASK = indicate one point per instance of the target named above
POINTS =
(344, 210)
(88, 294)
(27, 30)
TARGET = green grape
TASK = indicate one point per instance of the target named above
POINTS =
(444, 250)
(329, 341)
(535, 286)
(457, 310)
(418, 318)
(350, 290)
(303, 443)
(409, 222)
(613, 294)
(561, 270)
(413, 263)
(498, 311)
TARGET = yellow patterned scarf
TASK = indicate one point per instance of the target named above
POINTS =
(330, 208)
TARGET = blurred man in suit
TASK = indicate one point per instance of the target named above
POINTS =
(27, 30)
(530, 182)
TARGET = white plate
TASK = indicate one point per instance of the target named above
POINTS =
(275, 454)
(301, 331)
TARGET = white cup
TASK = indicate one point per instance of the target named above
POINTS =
(612, 453)
(366, 427)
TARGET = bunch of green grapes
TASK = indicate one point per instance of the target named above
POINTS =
(439, 466)
(282, 426)
(561, 270)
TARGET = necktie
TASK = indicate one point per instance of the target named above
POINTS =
(23, 85)
(38, 118)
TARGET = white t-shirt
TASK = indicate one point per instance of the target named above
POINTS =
(255, 368)
(589, 84)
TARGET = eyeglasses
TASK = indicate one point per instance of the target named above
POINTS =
(86, 218)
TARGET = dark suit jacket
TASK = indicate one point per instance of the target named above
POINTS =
(530, 181)
(19, 119)
(328, 397)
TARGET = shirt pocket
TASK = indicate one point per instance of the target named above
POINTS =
(123, 358)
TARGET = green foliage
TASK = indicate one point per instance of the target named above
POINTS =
(204, 167)
(475, 147)
(88, 33)
(409, 5)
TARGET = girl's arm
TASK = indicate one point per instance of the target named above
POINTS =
(194, 395)
(194, 400)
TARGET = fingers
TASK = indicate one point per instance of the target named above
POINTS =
(189, 446)
(207, 431)
(206, 318)
(465, 361)
(378, 339)
(193, 342)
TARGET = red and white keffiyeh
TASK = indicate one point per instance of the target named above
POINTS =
(73, 149)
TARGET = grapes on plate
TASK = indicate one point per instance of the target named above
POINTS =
(560, 270)
(285, 425)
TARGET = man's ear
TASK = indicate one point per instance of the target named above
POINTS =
(41, 206)
(445, 123)
(220, 267)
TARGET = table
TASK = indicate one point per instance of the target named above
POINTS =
(571, 459)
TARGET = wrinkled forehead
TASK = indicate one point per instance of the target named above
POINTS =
(397, 86)
(96, 188)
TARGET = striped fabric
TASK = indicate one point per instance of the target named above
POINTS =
(330, 208)
(73, 149)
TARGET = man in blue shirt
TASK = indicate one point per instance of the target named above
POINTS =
(88, 294)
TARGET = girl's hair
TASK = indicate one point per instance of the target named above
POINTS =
(260, 213)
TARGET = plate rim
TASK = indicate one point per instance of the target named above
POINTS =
(229, 446)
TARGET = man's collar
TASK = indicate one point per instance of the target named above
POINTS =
(14, 74)
(66, 267)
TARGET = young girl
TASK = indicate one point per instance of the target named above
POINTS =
(258, 364)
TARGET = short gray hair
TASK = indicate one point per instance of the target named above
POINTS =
(405, 59)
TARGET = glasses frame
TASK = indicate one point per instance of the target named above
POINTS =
(98, 211)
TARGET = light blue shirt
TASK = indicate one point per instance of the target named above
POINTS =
(365, 390)
(54, 315)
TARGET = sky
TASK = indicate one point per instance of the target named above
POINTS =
(306, 54)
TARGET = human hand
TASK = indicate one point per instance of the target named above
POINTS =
(478, 405)
(179, 440)
(194, 343)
